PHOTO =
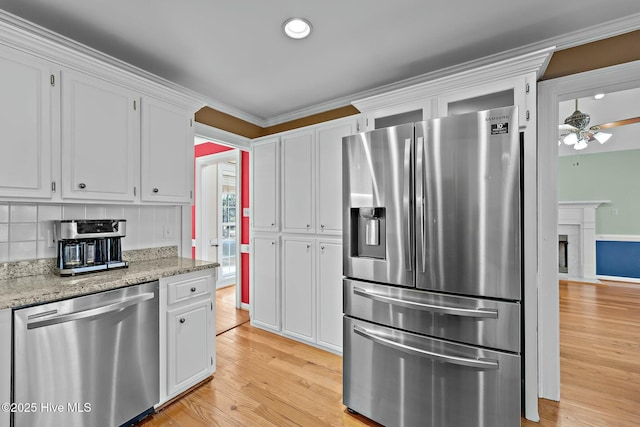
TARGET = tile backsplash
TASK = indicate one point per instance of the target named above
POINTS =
(26, 230)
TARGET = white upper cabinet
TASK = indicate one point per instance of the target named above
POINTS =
(264, 180)
(100, 139)
(167, 153)
(25, 125)
(298, 191)
(329, 176)
(503, 93)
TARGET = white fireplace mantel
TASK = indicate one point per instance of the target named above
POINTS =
(582, 214)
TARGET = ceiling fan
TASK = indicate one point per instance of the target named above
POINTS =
(575, 130)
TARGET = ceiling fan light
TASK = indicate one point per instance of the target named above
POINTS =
(602, 137)
(598, 96)
(570, 139)
(580, 145)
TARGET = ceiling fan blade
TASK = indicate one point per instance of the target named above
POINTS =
(566, 127)
(619, 123)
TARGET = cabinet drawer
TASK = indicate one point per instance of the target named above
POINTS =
(180, 291)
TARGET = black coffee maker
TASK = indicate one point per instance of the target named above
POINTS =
(88, 245)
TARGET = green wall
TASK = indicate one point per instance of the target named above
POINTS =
(611, 176)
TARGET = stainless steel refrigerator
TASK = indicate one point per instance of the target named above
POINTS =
(433, 272)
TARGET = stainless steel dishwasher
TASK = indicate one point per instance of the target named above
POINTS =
(90, 361)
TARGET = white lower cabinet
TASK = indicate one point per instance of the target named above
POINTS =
(264, 280)
(308, 298)
(187, 331)
(298, 287)
(329, 292)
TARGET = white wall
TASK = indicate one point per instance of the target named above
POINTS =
(24, 228)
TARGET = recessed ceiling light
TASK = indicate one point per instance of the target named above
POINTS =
(598, 95)
(297, 28)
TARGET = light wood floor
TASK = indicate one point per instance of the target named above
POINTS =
(599, 357)
(266, 380)
(227, 315)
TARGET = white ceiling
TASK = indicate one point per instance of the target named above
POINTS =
(614, 106)
(235, 54)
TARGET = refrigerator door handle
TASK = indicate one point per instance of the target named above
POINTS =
(486, 364)
(406, 199)
(421, 201)
(454, 311)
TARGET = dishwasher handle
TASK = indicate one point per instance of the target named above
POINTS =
(93, 312)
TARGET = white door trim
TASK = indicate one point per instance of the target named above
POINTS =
(551, 92)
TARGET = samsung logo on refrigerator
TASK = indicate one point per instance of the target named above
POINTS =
(493, 118)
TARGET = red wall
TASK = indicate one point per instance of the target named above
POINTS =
(212, 148)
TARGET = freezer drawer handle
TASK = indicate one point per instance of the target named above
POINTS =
(455, 360)
(77, 315)
(455, 311)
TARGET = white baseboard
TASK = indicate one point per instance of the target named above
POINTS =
(618, 237)
(245, 306)
(620, 279)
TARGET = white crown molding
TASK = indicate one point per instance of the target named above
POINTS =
(458, 77)
(223, 137)
(597, 32)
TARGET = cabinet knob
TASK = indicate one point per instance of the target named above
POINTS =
(193, 289)
(273, 243)
(321, 225)
(182, 320)
(308, 225)
(82, 185)
(273, 224)
(308, 246)
(322, 247)
(155, 190)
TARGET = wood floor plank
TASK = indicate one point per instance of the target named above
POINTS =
(227, 315)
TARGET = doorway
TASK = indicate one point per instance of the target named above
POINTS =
(551, 94)
(216, 212)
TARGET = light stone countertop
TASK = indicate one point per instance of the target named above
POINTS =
(44, 288)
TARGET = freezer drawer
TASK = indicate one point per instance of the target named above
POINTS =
(402, 379)
(475, 321)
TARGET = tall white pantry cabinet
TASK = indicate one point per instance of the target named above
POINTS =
(296, 233)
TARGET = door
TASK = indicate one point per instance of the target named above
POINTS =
(25, 125)
(329, 177)
(265, 192)
(298, 287)
(265, 287)
(329, 292)
(226, 227)
(166, 153)
(188, 349)
(100, 139)
(298, 192)
(378, 202)
(468, 204)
